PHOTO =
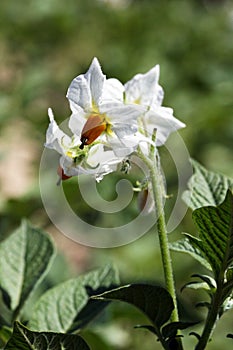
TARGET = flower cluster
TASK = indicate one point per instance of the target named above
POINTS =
(109, 121)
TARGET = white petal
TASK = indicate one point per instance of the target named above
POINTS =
(79, 94)
(119, 112)
(55, 138)
(108, 166)
(124, 129)
(68, 166)
(76, 122)
(122, 147)
(50, 114)
(95, 80)
(98, 155)
(158, 96)
(71, 169)
(94, 155)
(98, 163)
(122, 151)
(104, 161)
(163, 120)
(110, 158)
(144, 88)
(113, 91)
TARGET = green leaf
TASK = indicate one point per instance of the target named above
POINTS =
(25, 339)
(170, 330)
(67, 307)
(25, 257)
(147, 327)
(210, 281)
(227, 289)
(203, 304)
(216, 234)
(197, 285)
(5, 334)
(195, 334)
(226, 305)
(228, 285)
(154, 301)
(229, 274)
(185, 246)
(206, 187)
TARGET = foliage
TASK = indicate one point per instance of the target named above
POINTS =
(43, 45)
(213, 247)
(25, 258)
(206, 187)
(156, 303)
(24, 339)
(71, 305)
(72, 296)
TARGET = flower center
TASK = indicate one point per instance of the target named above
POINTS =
(93, 128)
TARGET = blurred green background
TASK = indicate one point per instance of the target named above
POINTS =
(43, 46)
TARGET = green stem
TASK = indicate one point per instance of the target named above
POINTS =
(163, 238)
(164, 344)
(157, 188)
(211, 318)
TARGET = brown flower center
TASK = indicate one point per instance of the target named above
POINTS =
(93, 128)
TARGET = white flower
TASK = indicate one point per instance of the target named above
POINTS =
(145, 90)
(56, 139)
(109, 121)
(98, 162)
(94, 159)
(98, 109)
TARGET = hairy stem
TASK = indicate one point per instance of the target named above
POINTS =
(211, 318)
(158, 194)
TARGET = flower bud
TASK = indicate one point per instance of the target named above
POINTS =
(62, 175)
(142, 199)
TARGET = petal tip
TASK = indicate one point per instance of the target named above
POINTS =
(50, 114)
(95, 62)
